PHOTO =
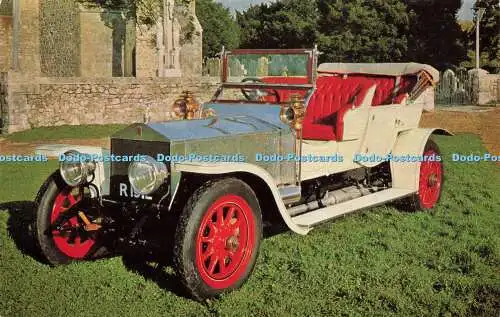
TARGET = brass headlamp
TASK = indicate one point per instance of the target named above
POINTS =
(293, 112)
(185, 107)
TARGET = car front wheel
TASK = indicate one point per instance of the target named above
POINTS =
(217, 238)
(60, 231)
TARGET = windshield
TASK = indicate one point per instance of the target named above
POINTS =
(266, 65)
(266, 76)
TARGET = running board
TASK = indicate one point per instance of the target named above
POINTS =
(320, 215)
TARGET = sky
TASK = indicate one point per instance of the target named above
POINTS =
(464, 14)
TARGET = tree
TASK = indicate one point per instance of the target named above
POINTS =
(219, 27)
(282, 24)
(354, 31)
(489, 32)
(363, 30)
(435, 36)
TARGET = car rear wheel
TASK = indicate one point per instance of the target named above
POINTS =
(217, 238)
(60, 231)
(431, 179)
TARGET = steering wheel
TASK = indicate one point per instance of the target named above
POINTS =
(257, 94)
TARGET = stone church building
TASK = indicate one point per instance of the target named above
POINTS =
(64, 38)
(69, 62)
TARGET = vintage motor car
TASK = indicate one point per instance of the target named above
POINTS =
(282, 140)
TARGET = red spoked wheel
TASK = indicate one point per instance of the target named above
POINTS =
(60, 230)
(217, 238)
(430, 181)
(225, 241)
(71, 238)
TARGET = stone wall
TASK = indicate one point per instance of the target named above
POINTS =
(146, 52)
(29, 37)
(60, 101)
(489, 89)
(97, 46)
(191, 56)
(5, 42)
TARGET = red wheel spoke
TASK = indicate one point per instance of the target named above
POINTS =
(61, 233)
(208, 253)
(230, 214)
(236, 224)
(220, 217)
(222, 262)
(71, 199)
(213, 229)
(425, 194)
(207, 239)
(213, 263)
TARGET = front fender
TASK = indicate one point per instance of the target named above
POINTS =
(227, 168)
(405, 175)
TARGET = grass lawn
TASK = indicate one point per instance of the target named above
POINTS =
(66, 132)
(380, 262)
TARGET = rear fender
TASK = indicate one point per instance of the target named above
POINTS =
(405, 175)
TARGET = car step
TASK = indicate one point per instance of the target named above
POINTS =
(318, 216)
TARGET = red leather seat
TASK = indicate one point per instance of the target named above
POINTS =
(405, 87)
(285, 93)
(333, 97)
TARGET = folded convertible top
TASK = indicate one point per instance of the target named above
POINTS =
(388, 69)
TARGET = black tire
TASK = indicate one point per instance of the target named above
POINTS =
(188, 247)
(414, 202)
(43, 208)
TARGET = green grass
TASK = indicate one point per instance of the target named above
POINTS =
(380, 262)
(66, 132)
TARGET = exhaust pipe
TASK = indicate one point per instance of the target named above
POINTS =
(331, 198)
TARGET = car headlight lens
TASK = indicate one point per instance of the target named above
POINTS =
(75, 168)
(147, 176)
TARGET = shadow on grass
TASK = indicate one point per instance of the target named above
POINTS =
(160, 273)
(20, 227)
(154, 267)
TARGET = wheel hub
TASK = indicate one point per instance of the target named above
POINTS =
(232, 243)
(225, 241)
(432, 181)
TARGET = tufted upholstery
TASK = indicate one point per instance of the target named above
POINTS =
(384, 90)
(335, 95)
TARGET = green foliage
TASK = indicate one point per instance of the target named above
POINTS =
(489, 33)
(145, 11)
(360, 30)
(283, 24)
(363, 30)
(219, 28)
(355, 31)
(435, 36)
(379, 262)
